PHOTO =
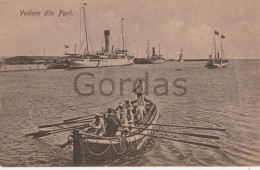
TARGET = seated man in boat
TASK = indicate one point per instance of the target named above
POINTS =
(140, 110)
(98, 124)
(128, 106)
(116, 113)
(112, 123)
(121, 109)
(130, 116)
(123, 129)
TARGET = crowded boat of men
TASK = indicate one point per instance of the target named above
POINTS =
(119, 121)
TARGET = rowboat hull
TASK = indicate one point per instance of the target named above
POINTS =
(95, 151)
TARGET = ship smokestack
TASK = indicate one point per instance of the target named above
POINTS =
(107, 34)
(153, 51)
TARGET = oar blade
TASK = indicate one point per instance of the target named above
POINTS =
(202, 136)
(51, 125)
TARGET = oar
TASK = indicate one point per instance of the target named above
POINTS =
(49, 132)
(58, 124)
(191, 127)
(183, 141)
(68, 120)
(89, 118)
(182, 133)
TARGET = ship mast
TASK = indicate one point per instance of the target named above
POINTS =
(221, 47)
(159, 49)
(123, 34)
(148, 52)
(85, 25)
(215, 46)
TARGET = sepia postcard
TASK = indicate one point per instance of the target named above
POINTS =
(130, 83)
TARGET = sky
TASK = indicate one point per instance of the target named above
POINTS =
(175, 24)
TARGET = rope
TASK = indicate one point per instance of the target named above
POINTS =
(117, 151)
(110, 101)
(98, 154)
(132, 143)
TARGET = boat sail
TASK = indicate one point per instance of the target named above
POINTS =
(219, 61)
(105, 58)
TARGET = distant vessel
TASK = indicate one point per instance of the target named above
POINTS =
(29, 63)
(154, 59)
(22, 67)
(219, 61)
(181, 57)
(105, 58)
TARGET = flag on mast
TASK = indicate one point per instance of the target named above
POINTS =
(222, 36)
(84, 3)
(66, 46)
(216, 32)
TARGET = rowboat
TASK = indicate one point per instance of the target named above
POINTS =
(88, 148)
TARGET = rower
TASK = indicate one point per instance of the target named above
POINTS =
(128, 106)
(112, 123)
(98, 124)
(124, 125)
(130, 116)
(140, 110)
(121, 109)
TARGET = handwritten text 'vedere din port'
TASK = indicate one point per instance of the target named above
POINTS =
(45, 13)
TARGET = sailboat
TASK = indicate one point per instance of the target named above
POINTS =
(219, 60)
(105, 58)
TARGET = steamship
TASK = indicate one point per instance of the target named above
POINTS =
(104, 58)
(154, 59)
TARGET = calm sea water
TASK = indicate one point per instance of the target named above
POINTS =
(222, 98)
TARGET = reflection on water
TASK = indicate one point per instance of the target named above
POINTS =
(223, 98)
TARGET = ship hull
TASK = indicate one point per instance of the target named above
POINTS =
(92, 63)
(157, 61)
(148, 61)
(212, 65)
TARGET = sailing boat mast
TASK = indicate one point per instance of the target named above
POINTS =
(84, 13)
(148, 51)
(215, 48)
(159, 49)
(123, 33)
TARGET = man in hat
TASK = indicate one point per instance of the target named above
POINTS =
(140, 110)
(130, 116)
(112, 123)
(124, 124)
(98, 124)
(128, 105)
(139, 89)
(121, 109)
